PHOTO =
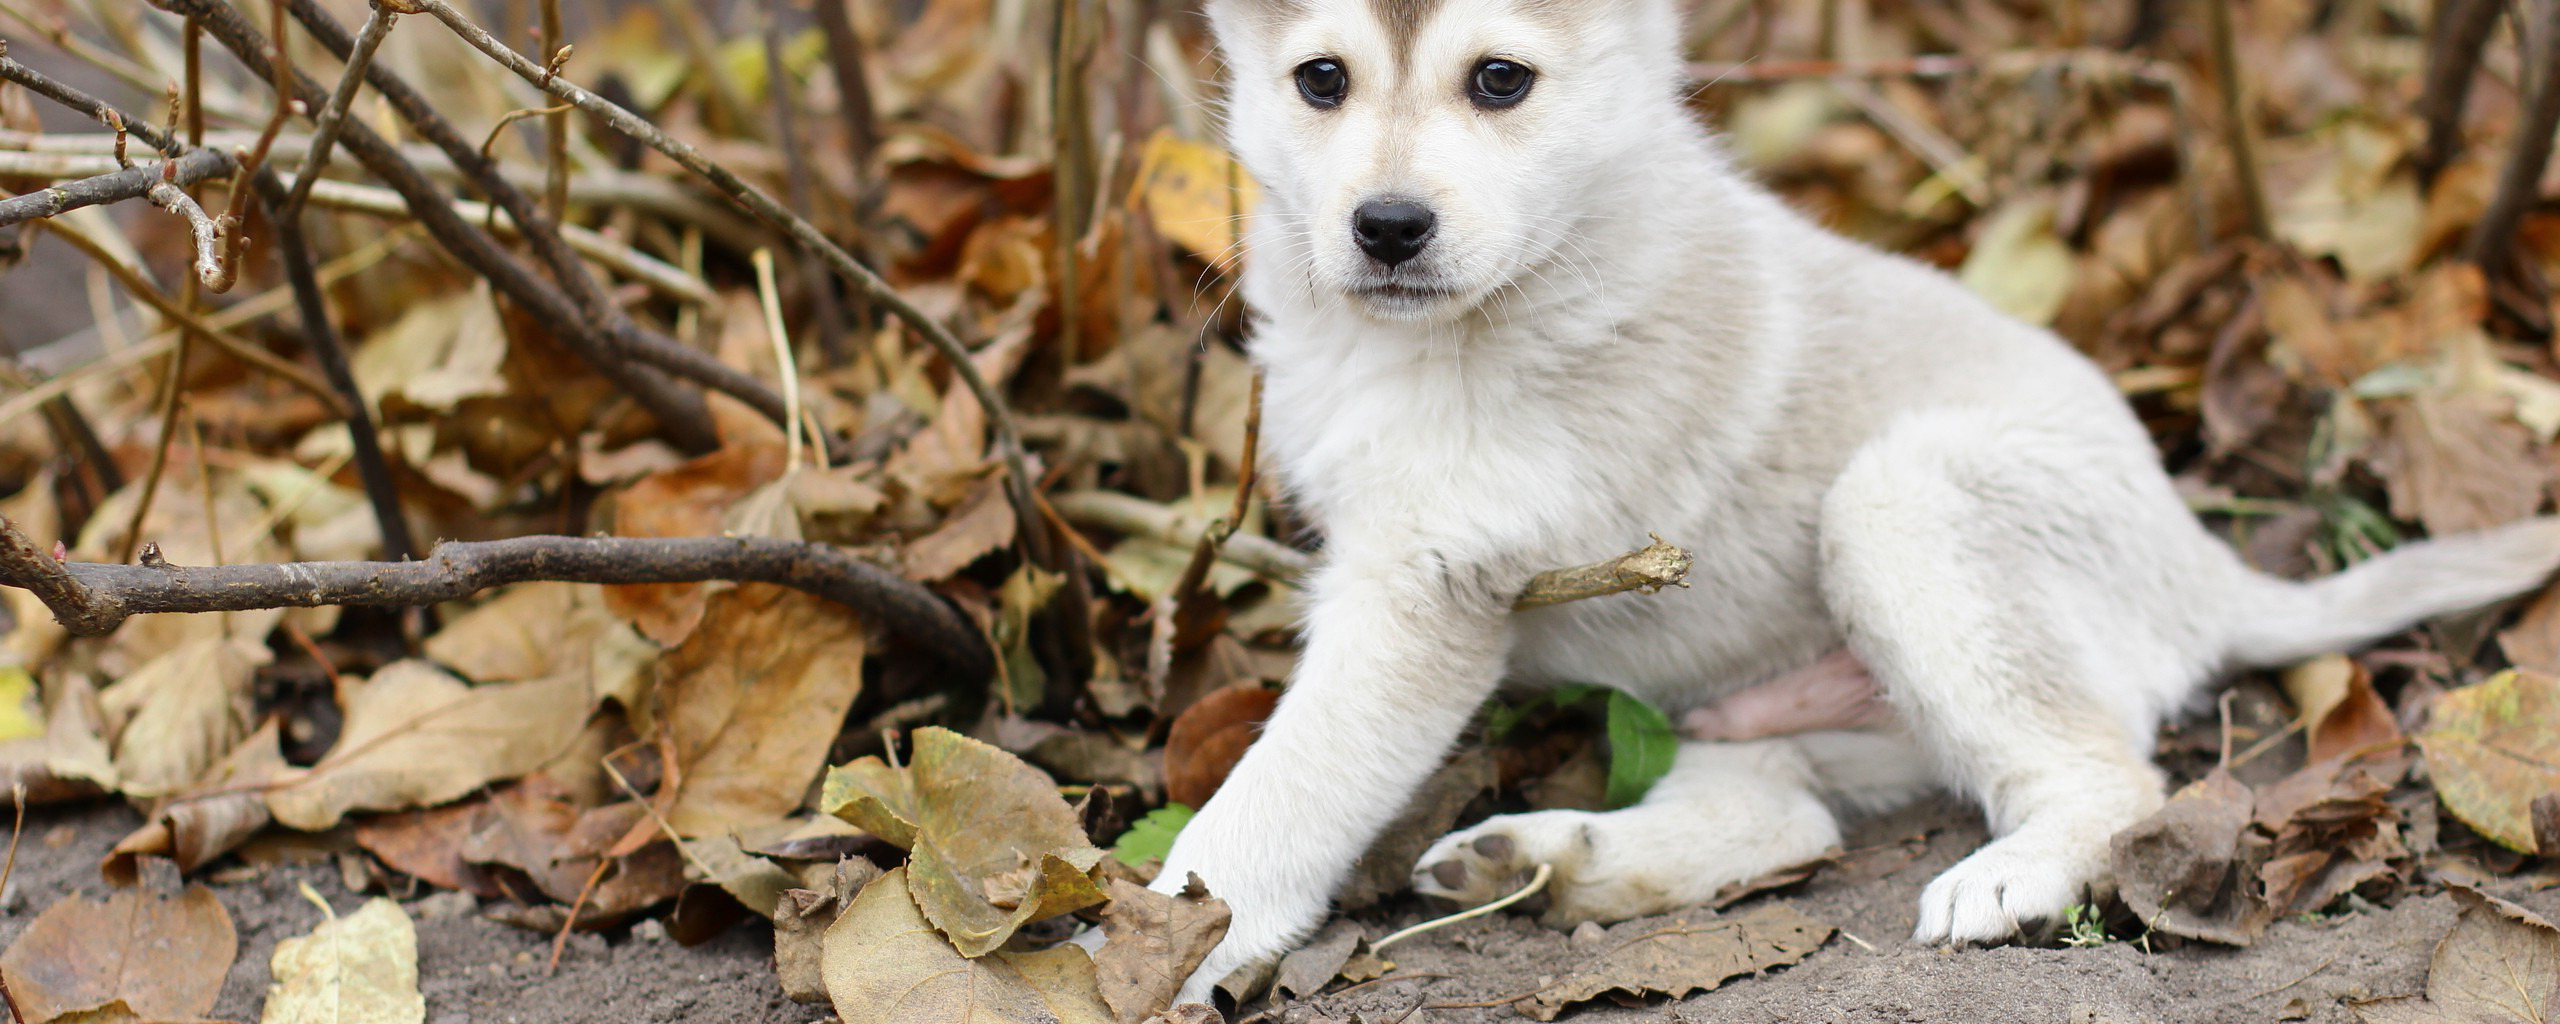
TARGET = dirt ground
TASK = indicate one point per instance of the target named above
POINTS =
(477, 971)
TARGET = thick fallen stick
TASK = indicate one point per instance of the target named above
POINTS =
(91, 598)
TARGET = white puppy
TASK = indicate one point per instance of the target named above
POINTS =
(1517, 310)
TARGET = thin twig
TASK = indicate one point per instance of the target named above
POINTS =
(1134, 516)
(2455, 37)
(90, 599)
(114, 186)
(555, 125)
(1536, 882)
(139, 288)
(1649, 569)
(2239, 127)
(766, 208)
(321, 338)
(324, 131)
(2493, 237)
(235, 216)
(207, 233)
(18, 800)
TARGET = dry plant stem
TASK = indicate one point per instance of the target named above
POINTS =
(112, 187)
(1536, 882)
(91, 599)
(1657, 566)
(767, 209)
(324, 131)
(162, 304)
(853, 87)
(171, 381)
(321, 337)
(18, 800)
(208, 234)
(555, 143)
(2493, 237)
(2240, 130)
(681, 415)
(823, 307)
(2459, 31)
(1124, 514)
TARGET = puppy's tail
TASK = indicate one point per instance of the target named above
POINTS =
(2284, 622)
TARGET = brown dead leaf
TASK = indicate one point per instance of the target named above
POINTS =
(159, 950)
(1685, 953)
(2340, 712)
(2191, 868)
(537, 630)
(2499, 965)
(415, 736)
(182, 711)
(983, 523)
(993, 845)
(800, 922)
(2334, 830)
(1339, 951)
(1209, 737)
(2494, 747)
(1152, 942)
(1387, 869)
(885, 964)
(427, 844)
(2460, 462)
(219, 812)
(70, 760)
(2534, 641)
(748, 705)
(687, 501)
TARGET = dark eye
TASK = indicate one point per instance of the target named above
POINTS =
(1499, 83)
(1323, 82)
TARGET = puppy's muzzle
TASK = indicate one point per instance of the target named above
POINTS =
(1392, 231)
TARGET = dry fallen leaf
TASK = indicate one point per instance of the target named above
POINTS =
(983, 523)
(1152, 942)
(749, 703)
(1340, 950)
(2499, 965)
(537, 630)
(1209, 737)
(2534, 641)
(1387, 868)
(161, 951)
(2460, 462)
(2191, 868)
(800, 922)
(993, 845)
(1686, 953)
(686, 501)
(415, 737)
(885, 964)
(182, 711)
(70, 760)
(218, 812)
(358, 969)
(2492, 748)
(2339, 710)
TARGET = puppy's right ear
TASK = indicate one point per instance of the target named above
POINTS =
(1237, 22)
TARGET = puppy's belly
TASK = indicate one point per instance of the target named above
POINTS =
(1677, 650)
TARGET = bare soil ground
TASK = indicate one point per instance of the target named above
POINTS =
(477, 971)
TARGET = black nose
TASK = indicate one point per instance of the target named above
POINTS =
(1392, 231)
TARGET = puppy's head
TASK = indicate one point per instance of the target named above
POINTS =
(1419, 155)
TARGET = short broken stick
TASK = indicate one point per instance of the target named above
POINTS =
(1656, 566)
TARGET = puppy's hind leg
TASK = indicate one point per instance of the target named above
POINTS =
(1726, 812)
(1978, 566)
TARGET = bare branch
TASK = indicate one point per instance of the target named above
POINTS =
(2454, 40)
(767, 209)
(1654, 567)
(208, 233)
(2493, 237)
(2239, 128)
(324, 130)
(91, 598)
(113, 186)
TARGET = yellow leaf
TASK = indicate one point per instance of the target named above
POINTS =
(1196, 194)
(357, 969)
(2492, 748)
(884, 964)
(21, 714)
(2019, 265)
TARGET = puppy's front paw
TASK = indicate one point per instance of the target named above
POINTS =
(2007, 890)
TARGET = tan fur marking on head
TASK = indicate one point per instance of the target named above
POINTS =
(1403, 20)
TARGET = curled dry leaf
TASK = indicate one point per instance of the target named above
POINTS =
(2340, 713)
(70, 758)
(983, 522)
(2494, 747)
(2499, 965)
(992, 845)
(1340, 950)
(182, 711)
(415, 736)
(358, 969)
(885, 964)
(801, 918)
(2191, 868)
(1152, 942)
(1388, 866)
(1691, 952)
(1209, 737)
(748, 705)
(159, 950)
(219, 812)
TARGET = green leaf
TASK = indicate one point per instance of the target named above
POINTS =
(1641, 745)
(1505, 717)
(1151, 837)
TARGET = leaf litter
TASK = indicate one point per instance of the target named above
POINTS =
(2322, 393)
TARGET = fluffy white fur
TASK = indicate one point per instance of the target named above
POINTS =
(1631, 337)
